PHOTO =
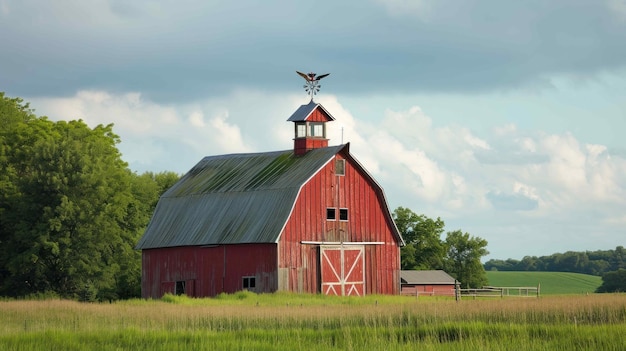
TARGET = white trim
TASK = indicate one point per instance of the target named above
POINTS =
(342, 243)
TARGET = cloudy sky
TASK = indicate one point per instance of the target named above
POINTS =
(504, 118)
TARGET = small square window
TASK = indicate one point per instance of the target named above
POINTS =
(249, 283)
(340, 167)
(343, 214)
(331, 214)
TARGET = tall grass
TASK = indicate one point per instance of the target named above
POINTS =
(305, 322)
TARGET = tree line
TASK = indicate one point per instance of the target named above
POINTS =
(609, 264)
(71, 211)
(597, 262)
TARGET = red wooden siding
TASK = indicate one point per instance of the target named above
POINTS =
(301, 145)
(318, 115)
(428, 289)
(367, 222)
(208, 271)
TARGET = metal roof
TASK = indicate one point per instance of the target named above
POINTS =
(303, 112)
(236, 198)
(426, 277)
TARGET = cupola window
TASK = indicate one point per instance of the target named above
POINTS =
(300, 130)
(317, 129)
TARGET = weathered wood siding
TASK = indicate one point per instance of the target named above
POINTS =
(208, 271)
(367, 222)
(428, 289)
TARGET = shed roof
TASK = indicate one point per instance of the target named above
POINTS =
(434, 277)
(234, 199)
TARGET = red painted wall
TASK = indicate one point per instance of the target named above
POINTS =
(367, 222)
(430, 290)
(318, 115)
(208, 271)
(302, 145)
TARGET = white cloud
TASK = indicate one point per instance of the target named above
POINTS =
(227, 136)
(197, 119)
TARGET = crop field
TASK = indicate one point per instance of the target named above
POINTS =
(551, 282)
(310, 322)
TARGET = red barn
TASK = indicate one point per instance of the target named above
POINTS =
(309, 220)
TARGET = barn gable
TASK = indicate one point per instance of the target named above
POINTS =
(311, 112)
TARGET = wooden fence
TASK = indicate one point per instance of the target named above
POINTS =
(502, 291)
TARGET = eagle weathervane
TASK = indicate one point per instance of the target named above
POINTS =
(312, 85)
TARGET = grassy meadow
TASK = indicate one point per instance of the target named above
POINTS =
(551, 282)
(310, 322)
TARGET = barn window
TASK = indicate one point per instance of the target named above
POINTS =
(343, 214)
(249, 283)
(331, 214)
(340, 167)
(179, 289)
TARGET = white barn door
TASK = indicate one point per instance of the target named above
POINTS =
(343, 270)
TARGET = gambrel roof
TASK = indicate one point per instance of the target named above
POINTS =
(237, 198)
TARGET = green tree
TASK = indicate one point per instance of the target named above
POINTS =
(422, 235)
(70, 209)
(463, 254)
(613, 281)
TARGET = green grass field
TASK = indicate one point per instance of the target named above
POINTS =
(551, 282)
(246, 321)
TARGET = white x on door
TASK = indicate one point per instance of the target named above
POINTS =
(343, 270)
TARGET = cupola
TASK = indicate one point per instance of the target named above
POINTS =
(310, 127)
(310, 119)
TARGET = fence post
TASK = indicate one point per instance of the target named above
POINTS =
(538, 288)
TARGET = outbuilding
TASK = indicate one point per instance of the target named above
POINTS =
(309, 219)
(427, 282)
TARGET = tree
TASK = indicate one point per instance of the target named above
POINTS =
(70, 209)
(424, 248)
(613, 282)
(463, 254)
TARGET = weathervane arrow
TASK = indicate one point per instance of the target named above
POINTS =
(312, 86)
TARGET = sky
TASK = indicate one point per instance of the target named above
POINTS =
(506, 119)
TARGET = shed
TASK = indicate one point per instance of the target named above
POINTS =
(427, 282)
(309, 219)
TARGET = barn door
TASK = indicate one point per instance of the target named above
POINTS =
(342, 270)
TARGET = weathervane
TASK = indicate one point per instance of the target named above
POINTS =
(312, 85)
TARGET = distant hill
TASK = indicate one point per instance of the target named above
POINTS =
(551, 282)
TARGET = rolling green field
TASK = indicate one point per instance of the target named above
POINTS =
(551, 282)
(245, 321)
